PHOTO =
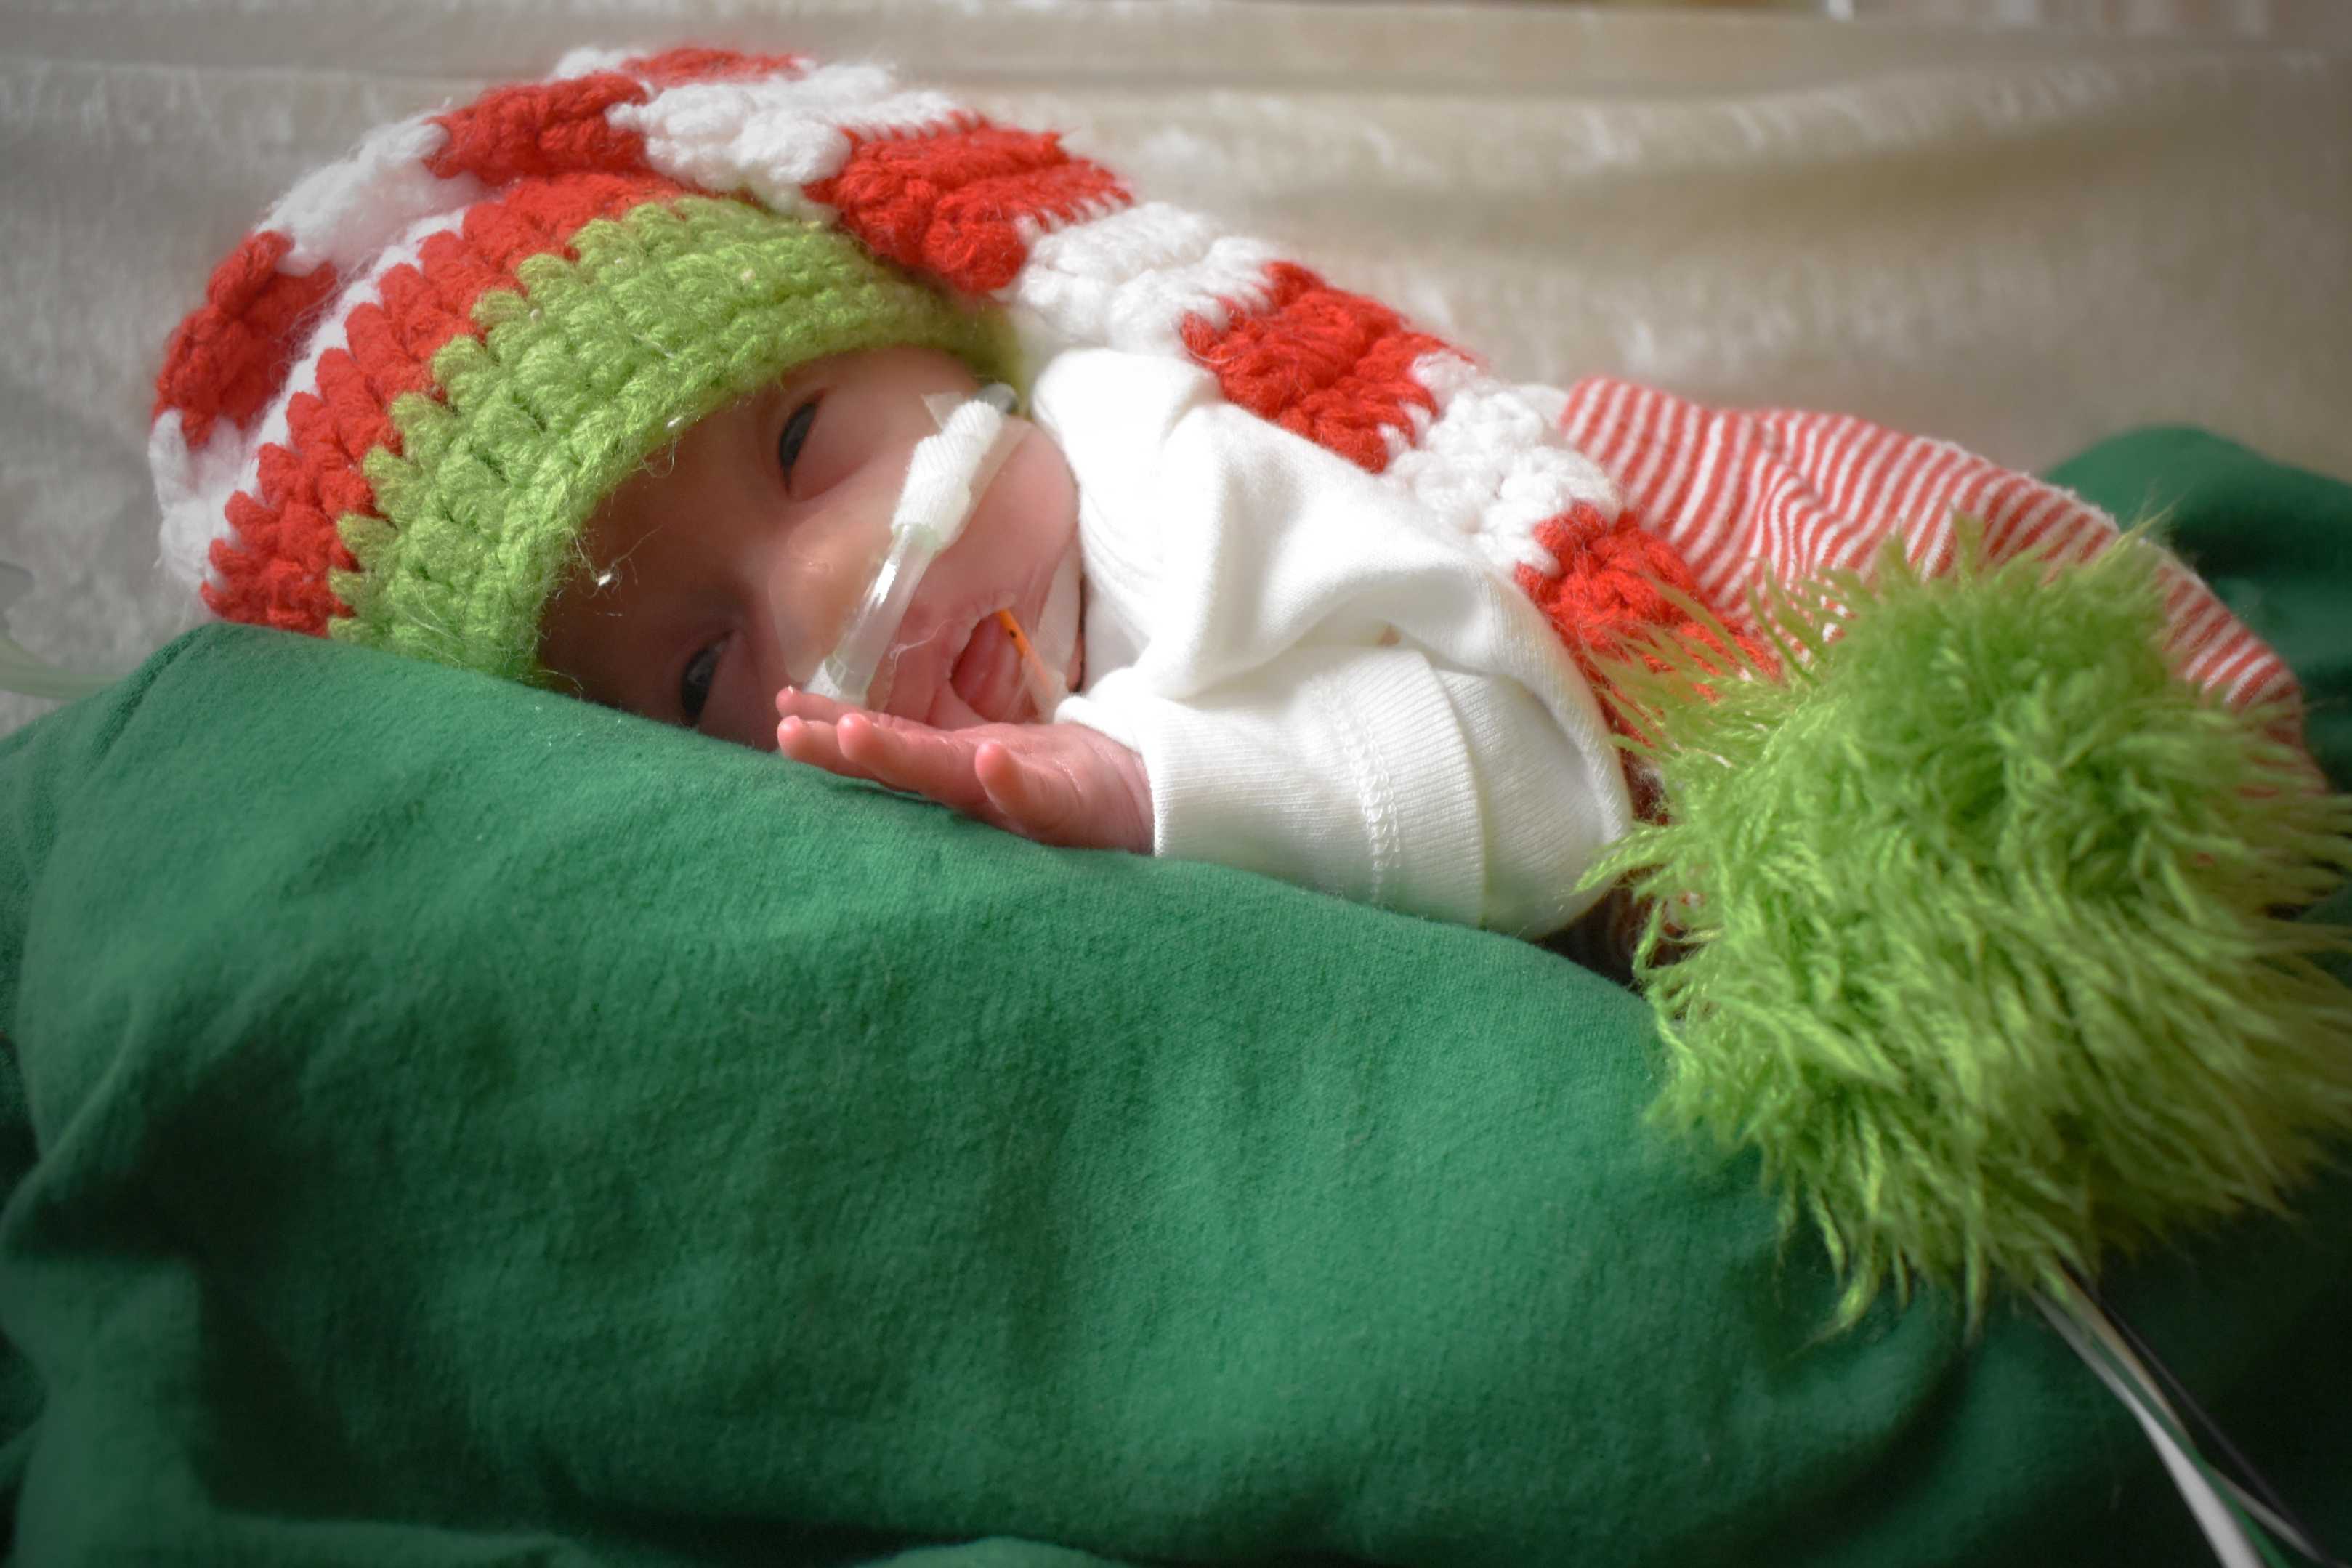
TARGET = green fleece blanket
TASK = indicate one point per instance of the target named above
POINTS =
(446, 1124)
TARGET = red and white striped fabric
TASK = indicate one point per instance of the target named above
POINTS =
(1749, 498)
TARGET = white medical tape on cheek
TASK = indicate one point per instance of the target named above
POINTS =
(946, 477)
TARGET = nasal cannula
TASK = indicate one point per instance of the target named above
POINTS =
(946, 477)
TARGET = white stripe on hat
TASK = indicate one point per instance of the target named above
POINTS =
(346, 212)
(1130, 278)
(1492, 464)
(771, 135)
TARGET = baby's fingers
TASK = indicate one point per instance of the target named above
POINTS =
(821, 746)
(810, 728)
(817, 744)
(916, 759)
(792, 703)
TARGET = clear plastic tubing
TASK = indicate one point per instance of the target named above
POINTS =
(946, 477)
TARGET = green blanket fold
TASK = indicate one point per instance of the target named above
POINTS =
(448, 1124)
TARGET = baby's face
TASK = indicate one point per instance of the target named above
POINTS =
(712, 579)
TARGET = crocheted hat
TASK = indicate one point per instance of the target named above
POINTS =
(409, 386)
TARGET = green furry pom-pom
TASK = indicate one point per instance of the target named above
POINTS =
(1982, 923)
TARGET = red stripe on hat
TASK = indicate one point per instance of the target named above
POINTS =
(2020, 524)
(381, 367)
(230, 355)
(1658, 481)
(962, 203)
(1926, 504)
(1627, 412)
(674, 68)
(272, 569)
(1609, 592)
(1715, 486)
(430, 301)
(1334, 367)
(2273, 682)
(275, 574)
(540, 129)
(1915, 501)
(2204, 640)
(1891, 462)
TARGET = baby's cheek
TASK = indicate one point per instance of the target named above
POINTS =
(1039, 498)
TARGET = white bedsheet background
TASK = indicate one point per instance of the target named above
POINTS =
(2021, 239)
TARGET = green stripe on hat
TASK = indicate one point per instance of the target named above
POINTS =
(672, 311)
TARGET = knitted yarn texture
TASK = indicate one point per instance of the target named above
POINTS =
(408, 387)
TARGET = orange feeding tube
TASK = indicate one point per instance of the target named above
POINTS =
(1045, 687)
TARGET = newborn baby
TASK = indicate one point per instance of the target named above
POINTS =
(1281, 668)
(611, 384)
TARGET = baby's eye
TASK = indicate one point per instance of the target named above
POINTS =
(795, 434)
(694, 682)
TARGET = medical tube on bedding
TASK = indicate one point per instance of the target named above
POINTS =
(945, 479)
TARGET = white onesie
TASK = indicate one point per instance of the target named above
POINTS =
(1324, 685)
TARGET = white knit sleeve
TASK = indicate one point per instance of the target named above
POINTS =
(1536, 849)
(1371, 774)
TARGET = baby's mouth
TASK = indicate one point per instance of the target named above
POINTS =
(987, 673)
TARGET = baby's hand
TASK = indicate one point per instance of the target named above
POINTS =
(1057, 783)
